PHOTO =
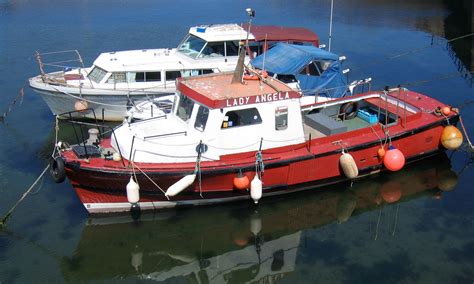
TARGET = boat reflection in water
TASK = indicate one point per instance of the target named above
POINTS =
(234, 243)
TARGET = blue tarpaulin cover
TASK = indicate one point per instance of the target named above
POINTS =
(290, 59)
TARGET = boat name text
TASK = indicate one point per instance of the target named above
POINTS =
(257, 99)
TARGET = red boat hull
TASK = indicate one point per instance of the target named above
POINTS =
(103, 189)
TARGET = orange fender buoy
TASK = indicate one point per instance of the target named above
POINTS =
(241, 240)
(241, 181)
(250, 77)
(381, 152)
(451, 137)
(81, 106)
(394, 159)
(446, 110)
(391, 191)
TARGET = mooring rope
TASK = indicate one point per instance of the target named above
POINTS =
(7, 216)
(135, 166)
(20, 96)
(465, 133)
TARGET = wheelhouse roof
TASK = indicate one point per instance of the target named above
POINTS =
(217, 91)
(278, 33)
(220, 32)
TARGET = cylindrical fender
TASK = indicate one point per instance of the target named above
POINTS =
(57, 170)
(180, 185)
(348, 165)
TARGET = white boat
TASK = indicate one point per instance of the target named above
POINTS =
(118, 80)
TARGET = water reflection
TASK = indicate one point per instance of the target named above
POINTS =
(240, 243)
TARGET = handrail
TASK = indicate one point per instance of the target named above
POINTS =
(81, 123)
(148, 119)
(164, 135)
(40, 56)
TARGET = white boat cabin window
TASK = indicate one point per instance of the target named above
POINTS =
(97, 74)
(281, 118)
(231, 48)
(185, 107)
(133, 77)
(118, 77)
(241, 117)
(316, 68)
(191, 46)
(196, 72)
(213, 49)
(201, 118)
(172, 75)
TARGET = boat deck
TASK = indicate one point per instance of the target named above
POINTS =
(317, 131)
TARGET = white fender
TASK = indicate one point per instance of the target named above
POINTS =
(133, 191)
(137, 260)
(116, 157)
(256, 189)
(180, 185)
(348, 165)
(255, 225)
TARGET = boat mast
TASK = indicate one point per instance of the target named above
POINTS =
(330, 25)
(239, 69)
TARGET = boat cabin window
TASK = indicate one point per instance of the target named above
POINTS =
(196, 72)
(97, 74)
(287, 78)
(133, 77)
(241, 117)
(201, 118)
(281, 118)
(232, 48)
(118, 77)
(316, 68)
(191, 46)
(185, 107)
(172, 75)
(213, 49)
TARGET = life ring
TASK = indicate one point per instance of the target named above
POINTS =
(257, 76)
(57, 170)
(348, 110)
(250, 77)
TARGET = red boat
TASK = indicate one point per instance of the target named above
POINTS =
(251, 139)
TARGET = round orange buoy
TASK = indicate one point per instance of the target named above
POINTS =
(391, 191)
(451, 137)
(446, 110)
(241, 241)
(81, 106)
(381, 152)
(394, 159)
(447, 180)
(241, 181)
(437, 195)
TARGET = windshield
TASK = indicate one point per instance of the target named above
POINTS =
(191, 46)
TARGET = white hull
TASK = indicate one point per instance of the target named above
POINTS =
(111, 105)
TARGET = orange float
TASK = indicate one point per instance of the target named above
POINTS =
(446, 110)
(81, 106)
(451, 137)
(391, 191)
(394, 159)
(241, 241)
(241, 181)
(381, 152)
